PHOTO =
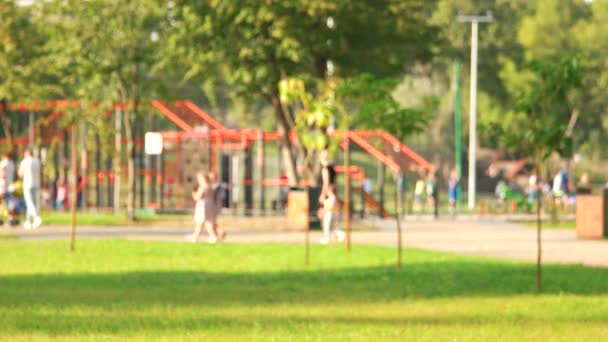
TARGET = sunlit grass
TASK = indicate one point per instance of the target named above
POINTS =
(159, 290)
(107, 219)
(550, 224)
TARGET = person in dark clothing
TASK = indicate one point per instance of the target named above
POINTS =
(328, 174)
(328, 197)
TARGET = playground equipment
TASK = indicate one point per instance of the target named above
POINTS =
(241, 158)
(235, 149)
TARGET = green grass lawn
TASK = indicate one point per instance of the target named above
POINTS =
(550, 225)
(108, 219)
(116, 289)
(7, 236)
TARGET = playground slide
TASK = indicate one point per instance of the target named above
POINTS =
(396, 156)
(402, 154)
(370, 201)
(186, 115)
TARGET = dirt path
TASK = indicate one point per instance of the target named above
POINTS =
(482, 238)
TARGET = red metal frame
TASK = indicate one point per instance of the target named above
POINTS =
(173, 117)
(407, 151)
(196, 110)
(373, 151)
(234, 139)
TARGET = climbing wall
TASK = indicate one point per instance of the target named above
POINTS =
(196, 157)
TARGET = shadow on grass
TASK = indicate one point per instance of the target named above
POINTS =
(8, 236)
(346, 285)
(147, 302)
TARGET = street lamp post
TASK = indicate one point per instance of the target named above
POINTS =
(474, 20)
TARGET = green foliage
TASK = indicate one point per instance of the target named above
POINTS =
(542, 112)
(105, 47)
(238, 53)
(24, 75)
(256, 44)
(313, 112)
(107, 51)
(376, 108)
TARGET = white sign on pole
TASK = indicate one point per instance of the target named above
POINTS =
(154, 143)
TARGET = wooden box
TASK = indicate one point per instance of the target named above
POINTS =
(297, 210)
(591, 216)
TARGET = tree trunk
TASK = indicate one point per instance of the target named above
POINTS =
(6, 123)
(538, 230)
(117, 159)
(130, 165)
(286, 146)
(398, 219)
(572, 122)
(347, 191)
(74, 187)
(6, 126)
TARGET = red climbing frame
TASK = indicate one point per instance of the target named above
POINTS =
(186, 115)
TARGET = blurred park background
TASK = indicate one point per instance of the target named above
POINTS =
(452, 116)
(104, 68)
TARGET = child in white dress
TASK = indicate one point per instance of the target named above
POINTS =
(204, 211)
(329, 206)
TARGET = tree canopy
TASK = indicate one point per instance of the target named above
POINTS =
(233, 55)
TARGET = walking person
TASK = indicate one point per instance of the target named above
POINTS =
(532, 192)
(419, 188)
(29, 171)
(328, 198)
(453, 191)
(219, 196)
(431, 189)
(62, 194)
(204, 211)
(329, 205)
(8, 168)
(328, 174)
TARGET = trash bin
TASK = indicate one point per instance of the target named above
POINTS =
(302, 208)
(592, 215)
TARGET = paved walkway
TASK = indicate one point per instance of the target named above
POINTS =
(490, 238)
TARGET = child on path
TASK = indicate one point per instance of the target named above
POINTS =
(453, 191)
(204, 211)
(329, 204)
(62, 192)
(430, 191)
(419, 194)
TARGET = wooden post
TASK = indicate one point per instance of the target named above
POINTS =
(30, 137)
(347, 192)
(74, 187)
(538, 226)
(398, 218)
(381, 179)
(307, 229)
(160, 178)
(307, 234)
(179, 189)
(151, 168)
(98, 180)
(262, 174)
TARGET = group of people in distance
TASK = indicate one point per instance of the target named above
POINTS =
(26, 184)
(424, 190)
(209, 198)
